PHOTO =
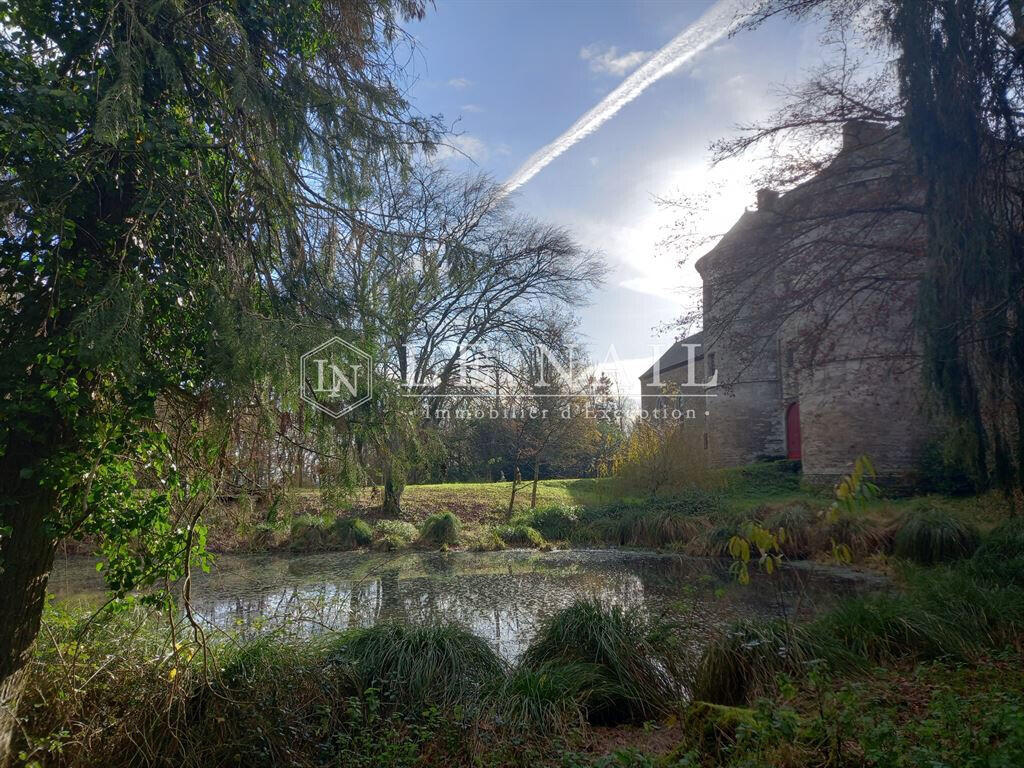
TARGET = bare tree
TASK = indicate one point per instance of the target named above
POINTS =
(458, 276)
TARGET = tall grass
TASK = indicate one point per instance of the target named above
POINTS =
(714, 540)
(1001, 554)
(642, 662)
(943, 613)
(548, 697)
(802, 528)
(929, 535)
(129, 699)
(746, 659)
(665, 522)
(420, 666)
(859, 534)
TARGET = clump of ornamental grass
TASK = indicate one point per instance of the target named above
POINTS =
(745, 660)
(440, 529)
(554, 522)
(351, 533)
(930, 535)
(390, 535)
(661, 528)
(415, 667)
(549, 698)
(857, 533)
(642, 661)
(714, 540)
(638, 527)
(802, 534)
(521, 536)
(1001, 554)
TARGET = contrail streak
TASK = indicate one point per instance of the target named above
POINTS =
(718, 21)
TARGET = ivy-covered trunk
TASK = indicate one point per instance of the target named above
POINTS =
(26, 556)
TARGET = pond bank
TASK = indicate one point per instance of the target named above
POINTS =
(929, 679)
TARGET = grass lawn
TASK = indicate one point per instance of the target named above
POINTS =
(486, 502)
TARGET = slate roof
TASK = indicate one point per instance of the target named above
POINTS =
(676, 355)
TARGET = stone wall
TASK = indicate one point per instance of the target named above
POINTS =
(810, 299)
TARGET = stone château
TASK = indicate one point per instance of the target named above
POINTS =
(808, 320)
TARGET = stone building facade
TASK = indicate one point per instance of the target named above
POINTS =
(808, 320)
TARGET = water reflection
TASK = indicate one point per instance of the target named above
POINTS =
(500, 596)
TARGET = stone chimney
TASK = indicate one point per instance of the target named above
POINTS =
(766, 199)
(862, 133)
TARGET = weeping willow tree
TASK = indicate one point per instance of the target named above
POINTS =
(961, 79)
(160, 163)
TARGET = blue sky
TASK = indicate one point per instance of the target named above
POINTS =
(513, 76)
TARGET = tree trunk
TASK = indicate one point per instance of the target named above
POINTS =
(512, 498)
(392, 503)
(536, 478)
(26, 556)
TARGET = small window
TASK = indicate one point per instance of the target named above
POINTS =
(705, 441)
(710, 367)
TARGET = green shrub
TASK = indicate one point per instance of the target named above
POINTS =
(394, 534)
(643, 662)
(351, 532)
(592, 534)
(554, 523)
(765, 477)
(1001, 554)
(441, 529)
(930, 535)
(308, 532)
(487, 540)
(520, 536)
(695, 502)
(418, 667)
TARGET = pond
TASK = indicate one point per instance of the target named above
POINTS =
(500, 596)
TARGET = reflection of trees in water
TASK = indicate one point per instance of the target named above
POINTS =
(504, 609)
(499, 596)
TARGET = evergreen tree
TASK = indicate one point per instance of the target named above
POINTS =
(159, 161)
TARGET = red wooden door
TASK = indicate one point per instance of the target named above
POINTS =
(793, 431)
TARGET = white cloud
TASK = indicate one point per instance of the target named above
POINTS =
(608, 61)
(472, 108)
(460, 82)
